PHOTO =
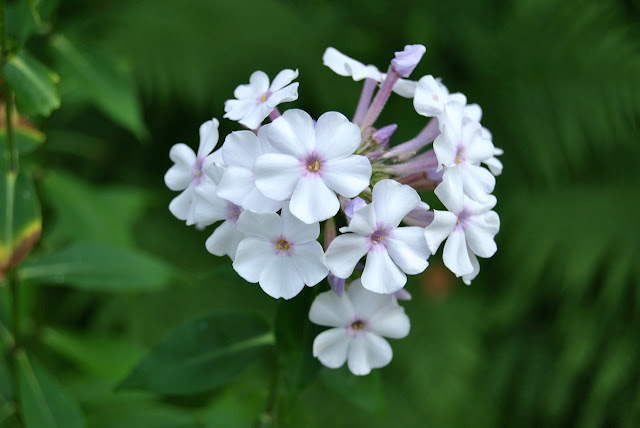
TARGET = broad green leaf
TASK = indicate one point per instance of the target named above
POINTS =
(33, 83)
(43, 401)
(25, 136)
(22, 16)
(94, 75)
(86, 213)
(103, 357)
(294, 339)
(20, 218)
(202, 354)
(99, 268)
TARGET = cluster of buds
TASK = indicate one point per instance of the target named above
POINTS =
(273, 184)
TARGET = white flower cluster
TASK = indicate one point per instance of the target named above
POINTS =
(273, 184)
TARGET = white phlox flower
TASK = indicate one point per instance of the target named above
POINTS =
(473, 112)
(345, 66)
(469, 228)
(431, 96)
(312, 163)
(360, 319)
(255, 101)
(392, 251)
(240, 151)
(280, 253)
(187, 172)
(460, 148)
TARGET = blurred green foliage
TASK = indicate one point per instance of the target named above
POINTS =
(546, 336)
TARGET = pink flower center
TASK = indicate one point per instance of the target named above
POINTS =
(312, 164)
(282, 247)
(196, 170)
(233, 211)
(264, 97)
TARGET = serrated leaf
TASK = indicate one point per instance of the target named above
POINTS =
(101, 81)
(202, 354)
(43, 402)
(33, 84)
(99, 268)
(294, 339)
(20, 219)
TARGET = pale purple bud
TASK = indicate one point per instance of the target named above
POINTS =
(354, 206)
(402, 294)
(420, 216)
(337, 284)
(383, 135)
(406, 60)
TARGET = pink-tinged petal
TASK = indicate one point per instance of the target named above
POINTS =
(331, 347)
(313, 201)
(236, 184)
(364, 221)
(354, 206)
(252, 257)
(330, 310)
(451, 191)
(282, 79)
(237, 109)
(440, 228)
(366, 352)
(276, 175)
(348, 176)
(286, 94)
(336, 136)
(178, 177)
(408, 249)
(224, 240)
(292, 133)
(365, 303)
(181, 154)
(478, 183)
(241, 148)
(208, 137)
(405, 61)
(182, 205)
(381, 275)
(393, 201)
(265, 225)
(405, 88)
(391, 322)
(476, 270)
(402, 294)
(456, 255)
(309, 259)
(480, 234)
(345, 66)
(256, 116)
(281, 278)
(297, 231)
(345, 252)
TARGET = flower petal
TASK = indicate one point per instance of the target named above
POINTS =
(456, 255)
(480, 234)
(331, 347)
(241, 148)
(237, 109)
(348, 176)
(224, 240)
(391, 322)
(309, 259)
(252, 257)
(313, 201)
(476, 270)
(344, 252)
(178, 177)
(345, 66)
(393, 201)
(276, 175)
(281, 278)
(255, 117)
(182, 205)
(258, 84)
(235, 185)
(208, 207)
(365, 303)
(286, 94)
(282, 79)
(265, 225)
(292, 133)
(297, 231)
(408, 249)
(336, 136)
(208, 137)
(366, 352)
(381, 275)
(363, 221)
(450, 191)
(181, 154)
(440, 228)
(478, 183)
(330, 310)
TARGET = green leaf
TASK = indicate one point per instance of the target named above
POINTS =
(44, 403)
(103, 357)
(27, 17)
(20, 218)
(92, 214)
(365, 392)
(26, 138)
(294, 339)
(202, 354)
(95, 76)
(99, 268)
(33, 83)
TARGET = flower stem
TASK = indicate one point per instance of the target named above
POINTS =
(268, 417)
(365, 99)
(381, 99)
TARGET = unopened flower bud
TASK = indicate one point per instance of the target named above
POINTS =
(406, 60)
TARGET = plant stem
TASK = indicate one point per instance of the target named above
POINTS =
(268, 417)
(8, 96)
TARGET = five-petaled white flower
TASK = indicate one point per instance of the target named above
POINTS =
(391, 251)
(431, 97)
(187, 173)
(258, 99)
(469, 228)
(280, 252)
(360, 318)
(312, 163)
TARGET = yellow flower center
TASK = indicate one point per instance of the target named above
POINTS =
(282, 245)
(314, 166)
(358, 325)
